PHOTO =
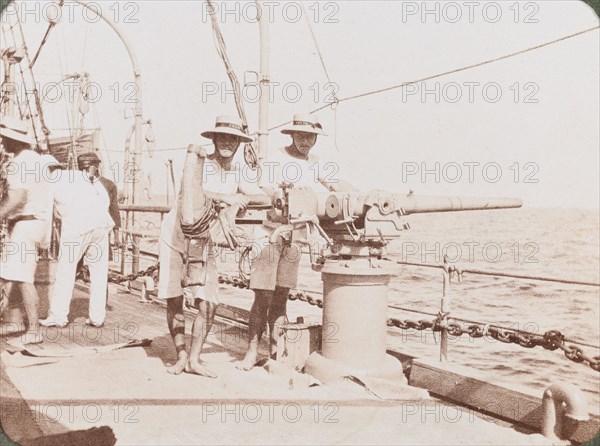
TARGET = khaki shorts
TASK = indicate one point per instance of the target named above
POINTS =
(171, 270)
(275, 265)
(19, 254)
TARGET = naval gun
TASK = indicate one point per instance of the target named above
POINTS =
(357, 226)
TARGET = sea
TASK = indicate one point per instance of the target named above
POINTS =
(552, 243)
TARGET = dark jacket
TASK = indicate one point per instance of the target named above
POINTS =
(113, 195)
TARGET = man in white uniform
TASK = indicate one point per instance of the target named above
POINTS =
(221, 183)
(85, 225)
(25, 208)
(275, 269)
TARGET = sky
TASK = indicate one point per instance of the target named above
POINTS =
(527, 126)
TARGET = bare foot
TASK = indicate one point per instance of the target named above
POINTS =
(32, 337)
(247, 363)
(179, 366)
(196, 368)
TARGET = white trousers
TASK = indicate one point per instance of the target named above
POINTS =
(94, 245)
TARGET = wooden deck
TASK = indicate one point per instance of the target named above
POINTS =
(127, 394)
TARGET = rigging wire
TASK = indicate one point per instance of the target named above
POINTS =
(314, 37)
(446, 73)
(510, 276)
(85, 39)
(172, 149)
(336, 100)
(97, 118)
(51, 25)
(71, 155)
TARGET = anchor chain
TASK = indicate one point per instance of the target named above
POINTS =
(237, 282)
(119, 278)
(245, 283)
(551, 340)
(303, 297)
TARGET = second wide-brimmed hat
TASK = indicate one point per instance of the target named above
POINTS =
(230, 125)
(16, 130)
(304, 123)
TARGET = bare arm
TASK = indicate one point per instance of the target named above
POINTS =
(229, 199)
(254, 193)
(259, 199)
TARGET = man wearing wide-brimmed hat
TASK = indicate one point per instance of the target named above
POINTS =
(220, 182)
(275, 269)
(26, 210)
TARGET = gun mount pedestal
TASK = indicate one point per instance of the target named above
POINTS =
(355, 299)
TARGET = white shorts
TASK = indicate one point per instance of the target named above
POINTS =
(276, 265)
(18, 261)
(171, 270)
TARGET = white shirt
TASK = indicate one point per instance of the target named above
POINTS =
(82, 205)
(239, 179)
(27, 171)
(281, 167)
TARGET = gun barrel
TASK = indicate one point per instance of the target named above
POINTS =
(423, 204)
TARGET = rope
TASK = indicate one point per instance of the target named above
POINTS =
(446, 73)
(511, 276)
(249, 152)
(203, 224)
(45, 38)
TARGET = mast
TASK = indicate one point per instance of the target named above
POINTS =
(133, 191)
(130, 168)
(8, 87)
(263, 115)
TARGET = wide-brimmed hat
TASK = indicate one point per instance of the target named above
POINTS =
(304, 123)
(15, 129)
(230, 125)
